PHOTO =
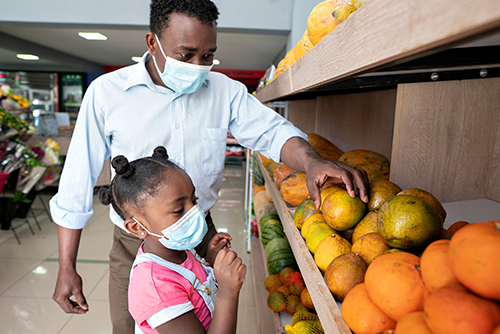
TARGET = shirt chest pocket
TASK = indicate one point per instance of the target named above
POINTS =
(213, 150)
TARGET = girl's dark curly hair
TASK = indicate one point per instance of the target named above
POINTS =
(136, 181)
(160, 11)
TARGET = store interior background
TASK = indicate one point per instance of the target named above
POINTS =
(252, 35)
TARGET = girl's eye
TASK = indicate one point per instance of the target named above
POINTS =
(179, 212)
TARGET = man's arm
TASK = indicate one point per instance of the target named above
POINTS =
(69, 283)
(71, 207)
(298, 154)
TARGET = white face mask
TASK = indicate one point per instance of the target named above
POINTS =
(181, 77)
(184, 234)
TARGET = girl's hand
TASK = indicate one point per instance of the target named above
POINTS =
(229, 271)
(218, 242)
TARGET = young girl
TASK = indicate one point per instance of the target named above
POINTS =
(171, 289)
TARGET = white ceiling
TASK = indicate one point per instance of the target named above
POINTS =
(236, 50)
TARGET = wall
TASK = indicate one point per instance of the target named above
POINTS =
(301, 11)
(241, 14)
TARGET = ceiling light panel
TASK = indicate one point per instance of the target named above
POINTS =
(26, 56)
(93, 36)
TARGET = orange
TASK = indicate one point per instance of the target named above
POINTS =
(456, 226)
(317, 217)
(328, 154)
(362, 315)
(347, 234)
(395, 285)
(364, 157)
(286, 62)
(326, 192)
(316, 233)
(367, 225)
(328, 249)
(344, 273)
(305, 298)
(370, 246)
(453, 310)
(408, 222)
(381, 191)
(435, 266)
(413, 323)
(280, 173)
(319, 142)
(321, 21)
(256, 189)
(474, 258)
(294, 188)
(341, 211)
(265, 161)
(429, 198)
(304, 211)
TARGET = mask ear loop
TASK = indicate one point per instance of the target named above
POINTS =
(161, 48)
(154, 234)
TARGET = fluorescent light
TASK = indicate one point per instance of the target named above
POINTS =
(25, 56)
(137, 59)
(216, 62)
(93, 36)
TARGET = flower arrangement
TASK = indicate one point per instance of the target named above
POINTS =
(6, 93)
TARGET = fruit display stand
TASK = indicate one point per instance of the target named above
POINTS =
(326, 306)
(388, 80)
(439, 126)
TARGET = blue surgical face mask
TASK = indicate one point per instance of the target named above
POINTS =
(184, 234)
(181, 77)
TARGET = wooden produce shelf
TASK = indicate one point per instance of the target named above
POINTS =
(384, 33)
(326, 306)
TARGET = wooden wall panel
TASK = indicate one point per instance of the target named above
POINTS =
(358, 120)
(303, 114)
(446, 139)
(493, 179)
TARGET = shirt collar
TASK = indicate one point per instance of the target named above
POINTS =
(139, 75)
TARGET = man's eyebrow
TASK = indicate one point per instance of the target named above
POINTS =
(190, 49)
(187, 48)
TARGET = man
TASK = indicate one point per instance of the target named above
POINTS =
(171, 99)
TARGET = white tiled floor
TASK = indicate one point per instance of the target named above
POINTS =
(28, 271)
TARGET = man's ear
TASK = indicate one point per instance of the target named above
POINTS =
(134, 228)
(151, 43)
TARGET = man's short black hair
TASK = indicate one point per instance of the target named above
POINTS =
(160, 11)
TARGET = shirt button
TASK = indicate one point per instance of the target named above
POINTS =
(178, 158)
(177, 126)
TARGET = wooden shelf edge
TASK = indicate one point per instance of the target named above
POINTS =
(390, 33)
(326, 307)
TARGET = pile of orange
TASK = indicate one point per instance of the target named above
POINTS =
(453, 288)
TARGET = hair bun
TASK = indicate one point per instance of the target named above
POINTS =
(105, 196)
(160, 152)
(122, 166)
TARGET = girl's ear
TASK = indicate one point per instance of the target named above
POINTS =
(133, 227)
